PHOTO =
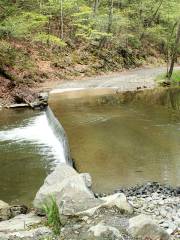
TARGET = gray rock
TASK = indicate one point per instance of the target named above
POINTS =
(43, 96)
(117, 200)
(53, 184)
(102, 231)
(69, 190)
(74, 196)
(5, 213)
(87, 179)
(19, 223)
(39, 233)
(143, 227)
(163, 212)
(17, 210)
(172, 228)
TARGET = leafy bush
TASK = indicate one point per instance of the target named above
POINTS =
(175, 77)
(49, 39)
(22, 25)
(7, 53)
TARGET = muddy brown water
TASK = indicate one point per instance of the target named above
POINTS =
(120, 144)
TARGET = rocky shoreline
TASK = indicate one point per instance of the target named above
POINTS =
(160, 201)
(146, 189)
(150, 211)
(150, 188)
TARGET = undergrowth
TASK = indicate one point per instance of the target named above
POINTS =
(175, 79)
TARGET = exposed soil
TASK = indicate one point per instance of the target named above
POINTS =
(125, 80)
(11, 93)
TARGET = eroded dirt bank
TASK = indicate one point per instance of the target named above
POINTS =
(127, 80)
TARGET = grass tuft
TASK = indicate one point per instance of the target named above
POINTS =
(176, 76)
(174, 79)
(52, 213)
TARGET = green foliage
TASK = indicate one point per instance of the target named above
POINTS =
(47, 238)
(22, 25)
(156, 34)
(175, 77)
(88, 26)
(126, 28)
(132, 21)
(52, 212)
(49, 39)
(14, 57)
(54, 7)
(7, 53)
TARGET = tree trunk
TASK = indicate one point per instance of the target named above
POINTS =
(96, 5)
(62, 20)
(111, 8)
(155, 13)
(169, 39)
(174, 52)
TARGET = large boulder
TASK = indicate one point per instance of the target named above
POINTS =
(70, 190)
(5, 212)
(53, 184)
(74, 196)
(144, 227)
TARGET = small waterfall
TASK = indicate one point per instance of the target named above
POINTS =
(60, 134)
(43, 131)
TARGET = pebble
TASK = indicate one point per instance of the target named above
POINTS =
(166, 216)
(160, 201)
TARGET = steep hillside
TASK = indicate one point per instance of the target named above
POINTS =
(52, 40)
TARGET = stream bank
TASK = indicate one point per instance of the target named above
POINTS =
(85, 217)
(125, 80)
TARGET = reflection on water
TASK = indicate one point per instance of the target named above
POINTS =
(28, 150)
(120, 145)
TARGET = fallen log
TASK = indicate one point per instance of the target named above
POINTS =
(18, 105)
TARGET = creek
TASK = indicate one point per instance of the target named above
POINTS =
(119, 142)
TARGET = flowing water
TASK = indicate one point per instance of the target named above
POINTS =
(120, 144)
(29, 149)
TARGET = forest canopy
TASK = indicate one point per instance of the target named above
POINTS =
(127, 31)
